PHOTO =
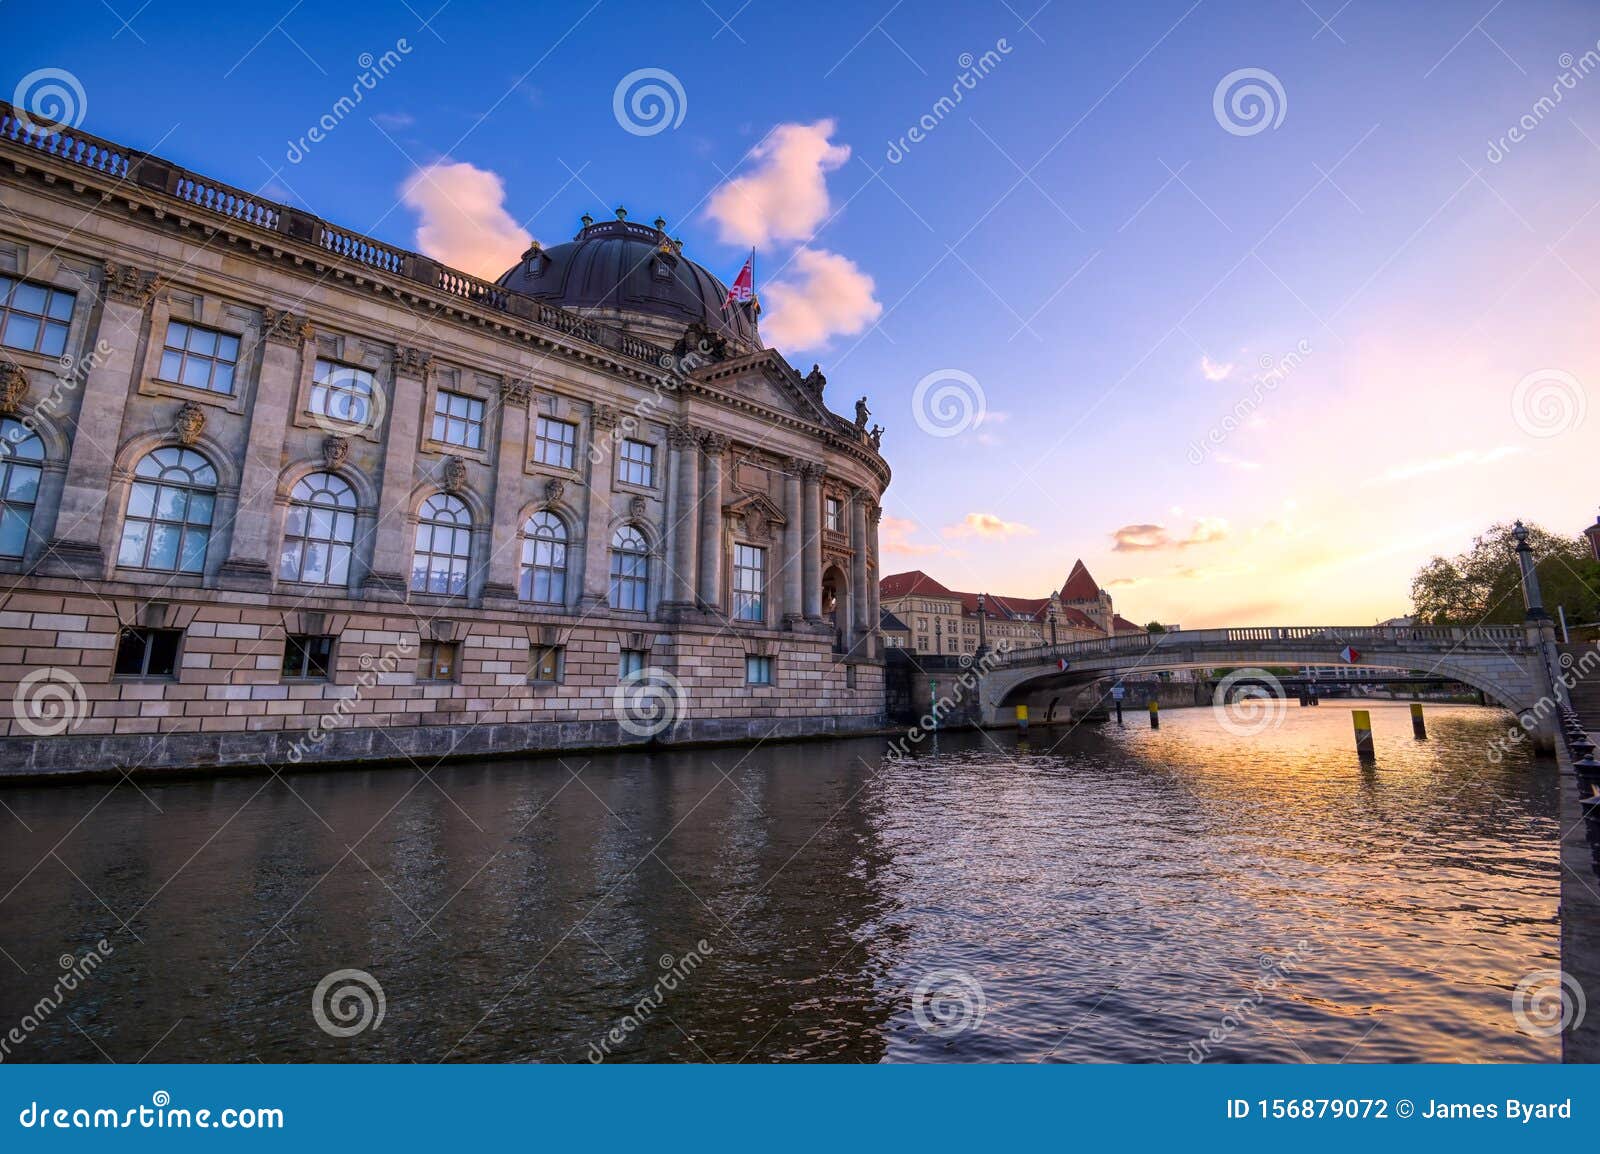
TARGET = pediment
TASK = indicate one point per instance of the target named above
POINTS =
(764, 379)
(757, 514)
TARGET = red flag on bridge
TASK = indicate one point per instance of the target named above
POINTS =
(1349, 656)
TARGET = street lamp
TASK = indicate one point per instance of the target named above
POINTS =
(983, 644)
(1532, 599)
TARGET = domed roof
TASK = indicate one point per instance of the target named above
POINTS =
(634, 268)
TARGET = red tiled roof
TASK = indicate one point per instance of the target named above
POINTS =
(1120, 624)
(1079, 585)
(914, 582)
(1078, 617)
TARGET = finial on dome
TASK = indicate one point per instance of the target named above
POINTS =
(587, 220)
(622, 213)
(660, 223)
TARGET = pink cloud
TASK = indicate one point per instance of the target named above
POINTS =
(464, 223)
(988, 525)
(785, 197)
(822, 295)
(894, 536)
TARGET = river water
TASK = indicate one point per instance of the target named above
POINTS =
(1112, 894)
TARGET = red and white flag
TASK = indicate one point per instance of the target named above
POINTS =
(743, 290)
(1349, 656)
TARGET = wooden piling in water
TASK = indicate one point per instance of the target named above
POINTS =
(1419, 728)
(1363, 724)
(1155, 715)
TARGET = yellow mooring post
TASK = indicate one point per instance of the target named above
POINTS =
(1363, 723)
(1022, 719)
(1419, 728)
(1155, 715)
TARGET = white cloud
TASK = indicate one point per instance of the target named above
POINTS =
(987, 525)
(1145, 536)
(1237, 462)
(1463, 459)
(1212, 371)
(464, 223)
(826, 296)
(785, 197)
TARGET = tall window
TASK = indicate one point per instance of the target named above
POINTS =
(444, 540)
(342, 392)
(458, 419)
(170, 507)
(200, 358)
(554, 441)
(34, 317)
(630, 662)
(749, 583)
(319, 532)
(21, 455)
(834, 509)
(636, 463)
(544, 559)
(630, 568)
(757, 670)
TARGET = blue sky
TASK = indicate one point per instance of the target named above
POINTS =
(1081, 239)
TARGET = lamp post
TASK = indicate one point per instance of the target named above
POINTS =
(1532, 599)
(983, 641)
(1051, 617)
(1593, 533)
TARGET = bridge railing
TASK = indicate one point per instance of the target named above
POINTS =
(1307, 639)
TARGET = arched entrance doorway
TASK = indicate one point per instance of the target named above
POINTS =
(836, 605)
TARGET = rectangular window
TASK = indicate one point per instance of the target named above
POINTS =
(34, 317)
(835, 514)
(148, 653)
(553, 442)
(308, 656)
(636, 463)
(758, 670)
(849, 676)
(436, 661)
(200, 358)
(342, 392)
(544, 663)
(749, 583)
(458, 419)
(630, 661)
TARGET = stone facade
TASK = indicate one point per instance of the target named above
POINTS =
(287, 473)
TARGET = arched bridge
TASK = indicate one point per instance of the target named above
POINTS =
(1505, 662)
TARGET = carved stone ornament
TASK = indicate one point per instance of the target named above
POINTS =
(755, 525)
(13, 387)
(190, 424)
(517, 393)
(454, 474)
(862, 414)
(554, 490)
(701, 343)
(605, 417)
(636, 508)
(815, 380)
(335, 450)
(714, 443)
(128, 284)
(413, 362)
(683, 436)
(285, 328)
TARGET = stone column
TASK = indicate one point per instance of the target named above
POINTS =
(714, 445)
(252, 558)
(389, 578)
(811, 547)
(597, 512)
(75, 549)
(793, 544)
(858, 567)
(684, 520)
(874, 608)
(505, 540)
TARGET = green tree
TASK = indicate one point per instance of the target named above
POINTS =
(1155, 627)
(1482, 586)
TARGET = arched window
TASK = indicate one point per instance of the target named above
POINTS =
(319, 531)
(630, 569)
(21, 455)
(170, 507)
(544, 559)
(444, 541)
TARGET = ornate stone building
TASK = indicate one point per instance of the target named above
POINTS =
(941, 620)
(273, 490)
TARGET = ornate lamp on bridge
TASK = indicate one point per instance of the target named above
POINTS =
(1532, 599)
(1050, 616)
(983, 640)
(1593, 533)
